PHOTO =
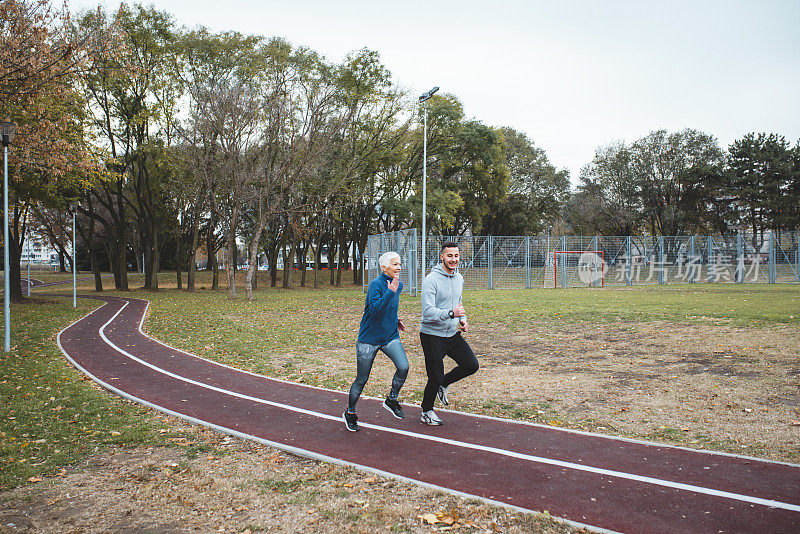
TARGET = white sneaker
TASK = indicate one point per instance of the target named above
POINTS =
(430, 418)
(442, 394)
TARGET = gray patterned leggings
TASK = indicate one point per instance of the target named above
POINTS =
(365, 356)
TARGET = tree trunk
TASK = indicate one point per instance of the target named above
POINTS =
(288, 263)
(302, 263)
(230, 265)
(15, 258)
(122, 241)
(332, 251)
(98, 278)
(212, 263)
(317, 259)
(89, 238)
(273, 269)
(154, 258)
(215, 268)
(253, 257)
(193, 250)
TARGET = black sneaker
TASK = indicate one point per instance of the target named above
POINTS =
(394, 407)
(442, 394)
(350, 421)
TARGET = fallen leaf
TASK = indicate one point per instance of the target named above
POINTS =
(795, 422)
(35, 479)
(431, 519)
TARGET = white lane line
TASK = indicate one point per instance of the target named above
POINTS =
(475, 415)
(456, 443)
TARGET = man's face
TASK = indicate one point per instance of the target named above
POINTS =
(450, 258)
(393, 269)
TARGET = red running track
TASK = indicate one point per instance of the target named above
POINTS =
(587, 479)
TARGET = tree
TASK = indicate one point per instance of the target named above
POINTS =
(762, 172)
(49, 157)
(466, 172)
(664, 168)
(205, 65)
(537, 191)
(607, 200)
(36, 52)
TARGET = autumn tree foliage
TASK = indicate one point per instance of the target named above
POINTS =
(49, 159)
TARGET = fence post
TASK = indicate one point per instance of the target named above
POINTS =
(797, 260)
(711, 266)
(771, 257)
(490, 260)
(739, 272)
(527, 262)
(629, 266)
(661, 259)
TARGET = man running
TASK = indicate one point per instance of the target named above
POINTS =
(380, 330)
(443, 321)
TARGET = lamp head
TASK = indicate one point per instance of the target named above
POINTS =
(425, 96)
(7, 130)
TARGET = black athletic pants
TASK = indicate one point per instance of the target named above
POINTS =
(435, 349)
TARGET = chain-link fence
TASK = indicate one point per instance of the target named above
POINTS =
(521, 262)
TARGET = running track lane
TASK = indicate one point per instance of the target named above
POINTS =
(588, 479)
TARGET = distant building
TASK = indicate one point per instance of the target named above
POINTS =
(38, 251)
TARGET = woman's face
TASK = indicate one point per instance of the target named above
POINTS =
(393, 269)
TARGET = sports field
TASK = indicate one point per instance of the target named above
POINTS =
(711, 366)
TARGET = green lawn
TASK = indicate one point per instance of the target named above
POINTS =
(741, 304)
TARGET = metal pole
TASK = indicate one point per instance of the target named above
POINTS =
(74, 261)
(6, 273)
(28, 243)
(424, 180)
(772, 269)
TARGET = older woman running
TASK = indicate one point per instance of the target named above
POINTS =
(380, 330)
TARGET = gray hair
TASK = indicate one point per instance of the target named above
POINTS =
(387, 257)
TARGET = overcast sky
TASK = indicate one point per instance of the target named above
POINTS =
(572, 75)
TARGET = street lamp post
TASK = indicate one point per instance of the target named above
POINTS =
(28, 244)
(7, 130)
(74, 207)
(423, 99)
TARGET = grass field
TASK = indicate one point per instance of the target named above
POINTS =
(709, 366)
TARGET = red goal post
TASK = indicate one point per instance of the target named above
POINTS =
(588, 266)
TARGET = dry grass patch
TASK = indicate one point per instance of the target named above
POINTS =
(241, 486)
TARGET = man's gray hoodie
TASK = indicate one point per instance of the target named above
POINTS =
(441, 292)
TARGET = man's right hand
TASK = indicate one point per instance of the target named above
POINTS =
(458, 311)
